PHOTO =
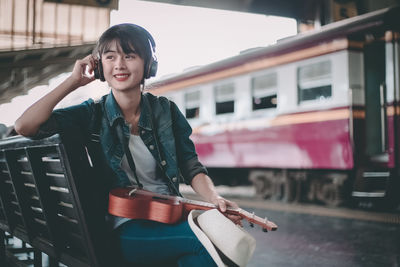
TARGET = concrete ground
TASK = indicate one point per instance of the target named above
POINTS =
(311, 235)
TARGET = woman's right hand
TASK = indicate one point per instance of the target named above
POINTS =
(79, 75)
(29, 122)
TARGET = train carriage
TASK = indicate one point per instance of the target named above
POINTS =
(313, 117)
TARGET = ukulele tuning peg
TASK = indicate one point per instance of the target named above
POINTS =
(265, 230)
(132, 192)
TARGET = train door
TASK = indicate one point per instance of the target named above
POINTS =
(371, 174)
(377, 174)
(375, 102)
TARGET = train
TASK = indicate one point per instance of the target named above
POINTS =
(312, 118)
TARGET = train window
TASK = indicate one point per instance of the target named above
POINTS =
(192, 104)
(224, 98)
(264, 91)
(314, 81)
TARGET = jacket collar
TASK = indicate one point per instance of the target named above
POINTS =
(114, 113)
(145, 120)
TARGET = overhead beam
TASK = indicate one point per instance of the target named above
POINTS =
(321, 11)
(22, 70)
(298, 9)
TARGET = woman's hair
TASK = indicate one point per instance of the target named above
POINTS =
(130, 37)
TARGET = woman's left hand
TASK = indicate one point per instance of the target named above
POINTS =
(223, 204)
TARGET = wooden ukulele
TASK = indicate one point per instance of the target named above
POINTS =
(136, 203)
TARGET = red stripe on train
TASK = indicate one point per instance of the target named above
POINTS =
(315, 145)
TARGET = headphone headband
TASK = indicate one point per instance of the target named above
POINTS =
(150, 66)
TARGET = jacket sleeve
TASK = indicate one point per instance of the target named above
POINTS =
(187, 159)
(71, 120)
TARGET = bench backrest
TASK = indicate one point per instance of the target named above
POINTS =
(46, 198)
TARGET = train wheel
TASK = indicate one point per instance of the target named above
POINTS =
(330, 189)
(263, 183)
(289, 190)
(295, 184)
(280, 186)
(329, 194)
(276, 185)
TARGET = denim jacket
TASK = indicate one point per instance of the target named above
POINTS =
(162, 127)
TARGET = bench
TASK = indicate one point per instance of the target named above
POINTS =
(49, 200)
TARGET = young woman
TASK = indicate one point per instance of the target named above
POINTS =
(151, 129)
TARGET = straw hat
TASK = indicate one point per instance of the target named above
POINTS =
(221, 237)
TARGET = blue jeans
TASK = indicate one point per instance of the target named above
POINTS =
(150, 243)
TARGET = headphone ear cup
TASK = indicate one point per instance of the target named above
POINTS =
(101, 71)
(98, 71)
(152, 68)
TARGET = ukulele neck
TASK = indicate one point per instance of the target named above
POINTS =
(190, 204)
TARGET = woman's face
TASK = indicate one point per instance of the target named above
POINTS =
(122, 71)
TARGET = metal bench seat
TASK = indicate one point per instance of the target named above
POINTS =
(46, 199)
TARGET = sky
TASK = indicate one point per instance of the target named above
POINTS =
(190, 36)
(185, 37)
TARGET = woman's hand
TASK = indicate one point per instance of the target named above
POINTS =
(82, 68)
(29, 122)
(223, 204)
(203, 185)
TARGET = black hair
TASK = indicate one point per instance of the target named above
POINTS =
(131, 37)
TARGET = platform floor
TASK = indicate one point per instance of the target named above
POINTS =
(312, 235)
(315, 240)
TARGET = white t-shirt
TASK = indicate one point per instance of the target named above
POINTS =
(145, 169)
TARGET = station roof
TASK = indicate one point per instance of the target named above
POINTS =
(297, 9)
(21, 70)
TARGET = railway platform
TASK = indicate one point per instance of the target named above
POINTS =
(310, 235)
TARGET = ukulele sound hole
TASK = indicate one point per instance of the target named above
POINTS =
(159, 198)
